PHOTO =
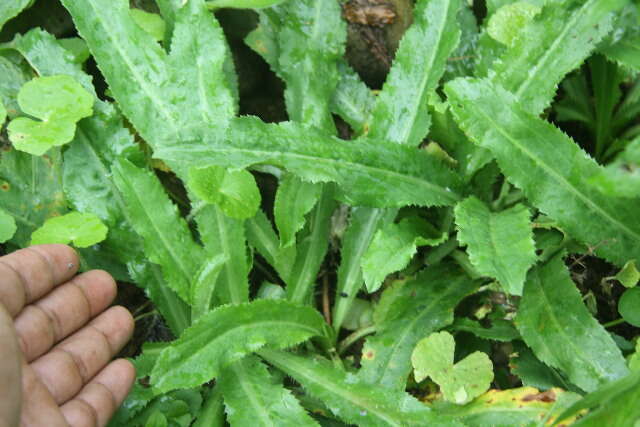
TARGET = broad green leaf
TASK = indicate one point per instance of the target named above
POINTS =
(312, 248)
(363, 224)
(243, 4)
(151, 23)
(371, 173)
(499, 244)
(150, 85)
(204, 285)
(30, 190)
(613, 404)
(549, 167)
(294, 200)
(507, 22)
(253, 396)
(531, 371)
(81, 229)
(555, 42)
(557, 326)
(628, 275)
(629, 306)
(235, 192)
(516, 407)
(229, 333)
(419, 63)
(417, 308)
(351, 399)
(393, 246)
(460, 382)
(167, 239)
(59, 101)
(10, 9)
(225, 236)
(8, 226)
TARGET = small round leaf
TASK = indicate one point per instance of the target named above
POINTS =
(629, 306)
(81, 229)
(7, 226)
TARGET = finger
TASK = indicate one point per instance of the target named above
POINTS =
(38, 406)
(10, 371)
(30, 273)
(73, 362)
(98, 400)
(65, 310)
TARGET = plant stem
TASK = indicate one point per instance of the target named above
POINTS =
(439, 252)
(613, 323)
(355, 336)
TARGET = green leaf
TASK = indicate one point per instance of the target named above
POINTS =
(531, 371)
(3, 113)
(229, 333)
(151, 23)
(13, 78)
(623, 45)
(156, 420)
(294, 199)
(8, 226)
(628, 275)
(629, 306)
(212, 412)
(204, 285)
(352, 400)
(418, 66)
(507, 22)
(371, 173)
(363, 224)
(393, 246)
(225, 236)
(236, 192)
(555, 42)
(77, 47)
(549, 167)
(243, 4)
(31, 190)
(500, 244)
(253, 396)
(516, 407)
(59, 101)
(460, 382)
(167, 239)
(81, 229)
(614, 404)
(416, 308)
(10, 9)
(557, 326)
(352, 100)
(263, 238)
(500, 329)
(621, 177)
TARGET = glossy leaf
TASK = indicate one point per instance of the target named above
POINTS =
(81, 229)
(555, 42)
(372, 173)
(393, 246)
(416, 308)
(167, 239)
(253, 396)
(419, 63)
(294, 200)
(7, 226)
(548, 166)
(500, 244)
(557, 326)
(59, 101)
(229, 333)
(352, 400)
(629, 305)
(460, 382)
(235, 192)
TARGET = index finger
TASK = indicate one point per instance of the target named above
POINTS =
(29, 274)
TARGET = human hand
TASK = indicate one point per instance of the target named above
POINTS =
(56, 341)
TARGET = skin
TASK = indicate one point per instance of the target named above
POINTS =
(57, 338)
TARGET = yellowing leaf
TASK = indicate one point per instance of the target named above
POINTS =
(59, 102)
(81, 229)
(461, 382)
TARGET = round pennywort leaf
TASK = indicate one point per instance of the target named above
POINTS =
(629, 306)
(81, 229)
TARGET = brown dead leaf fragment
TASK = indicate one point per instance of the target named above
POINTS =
(372, 13)
(545, 396)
